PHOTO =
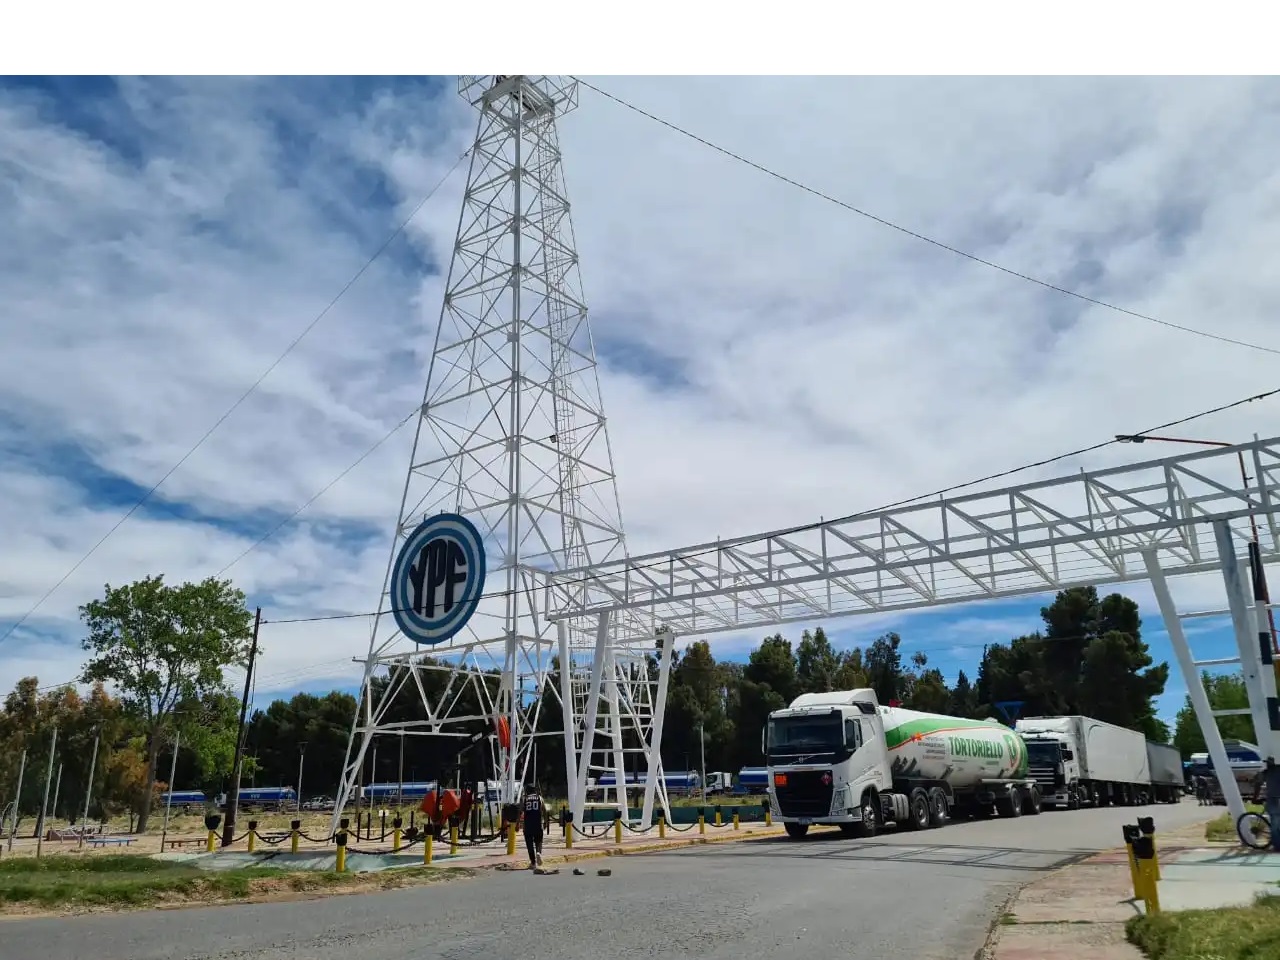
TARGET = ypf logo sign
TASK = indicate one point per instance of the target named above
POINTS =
(438, 578)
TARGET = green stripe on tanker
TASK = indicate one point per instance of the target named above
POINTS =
(936, 746)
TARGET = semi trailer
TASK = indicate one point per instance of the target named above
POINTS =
(842, 759)
(1168, 781)
(1080, 761)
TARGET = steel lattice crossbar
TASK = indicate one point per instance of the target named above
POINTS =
(1044, 536)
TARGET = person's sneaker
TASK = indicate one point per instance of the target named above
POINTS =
(539, 857)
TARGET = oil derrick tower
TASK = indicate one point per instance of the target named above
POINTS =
(511, 479)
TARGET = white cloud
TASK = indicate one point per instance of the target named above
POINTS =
(768, 357)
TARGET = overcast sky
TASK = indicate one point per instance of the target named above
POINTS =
(767, 356)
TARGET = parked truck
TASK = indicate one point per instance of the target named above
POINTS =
(1168, 781)
(1080, 761)
(719, 781)
(842, 759)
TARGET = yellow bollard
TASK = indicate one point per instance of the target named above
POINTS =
(1148, 827)
(511, 839)
(426, 850)
(1131, 834)
(253, 835)
(662, 827)
(719, 822)
(1145, 853)
(768, 815)
(617, 830)
(453, 840)
(209, 843)
(295, 829)
(342, 851)
(702, 824)
(735, 820)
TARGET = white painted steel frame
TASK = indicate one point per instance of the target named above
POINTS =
(1083, 529)
(512, 434)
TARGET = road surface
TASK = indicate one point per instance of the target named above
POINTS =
(902, 896)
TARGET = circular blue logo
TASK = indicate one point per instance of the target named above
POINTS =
(438, 578)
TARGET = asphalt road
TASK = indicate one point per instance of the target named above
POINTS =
(909, 896)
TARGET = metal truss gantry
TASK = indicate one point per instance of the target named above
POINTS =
(512, 435)
(1146, 521)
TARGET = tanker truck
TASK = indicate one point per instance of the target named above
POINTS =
(842, 759)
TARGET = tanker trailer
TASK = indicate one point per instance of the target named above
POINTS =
(842, 759)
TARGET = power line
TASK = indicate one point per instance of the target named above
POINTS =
(855, 516)
(1048, 285)
(244, 396)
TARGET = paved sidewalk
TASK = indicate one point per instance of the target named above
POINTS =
(1079, 912)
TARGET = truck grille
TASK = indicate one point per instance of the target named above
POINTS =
(1043, 774)
(805, 794)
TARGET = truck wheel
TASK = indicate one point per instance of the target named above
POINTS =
(796, 831)
(1010, 805)
(937, 807)
(1032, 802)
(870, 816)
(918, 812)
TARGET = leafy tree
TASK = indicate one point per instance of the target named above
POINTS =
(817, 663)
(883, 663)
(1226, 692)
(163, 645)
(963, 701)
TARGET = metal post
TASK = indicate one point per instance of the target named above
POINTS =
(88, 790)
(1241, 622)
(400, 789)
(57, 789)
(655, 730)
(568, 719)
(17, 799)
(44, 805)
(1195, 686)
(168, 803)
(702, 745)
(233, 792)
(593, 707)
(302, 754)
(1266, 655)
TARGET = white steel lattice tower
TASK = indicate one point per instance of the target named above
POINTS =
(512, 436)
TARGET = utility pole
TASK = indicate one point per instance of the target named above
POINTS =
(302, 755)
(17, 799)
(233, 792)
(88, 790)
(44, 804)
(702, 742)
(168, 803)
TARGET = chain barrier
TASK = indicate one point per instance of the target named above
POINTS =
(685, 829)
(273, 842)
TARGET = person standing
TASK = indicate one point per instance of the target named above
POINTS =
(533, 818)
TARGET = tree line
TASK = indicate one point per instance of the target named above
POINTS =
(157, 656)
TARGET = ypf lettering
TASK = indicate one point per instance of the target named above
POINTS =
(440, 563)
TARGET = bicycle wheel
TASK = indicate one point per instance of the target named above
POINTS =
(1254, 830)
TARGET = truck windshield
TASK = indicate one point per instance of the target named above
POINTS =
(1042, 751)
(804, 736)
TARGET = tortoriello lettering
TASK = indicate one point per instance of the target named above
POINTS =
(965, 747)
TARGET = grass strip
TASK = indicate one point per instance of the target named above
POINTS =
(1234, 933)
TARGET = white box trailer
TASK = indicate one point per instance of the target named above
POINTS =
(1168, 781)
(1079, 760)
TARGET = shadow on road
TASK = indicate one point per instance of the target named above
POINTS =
(833, 846)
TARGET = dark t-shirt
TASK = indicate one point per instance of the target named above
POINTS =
(533, 813)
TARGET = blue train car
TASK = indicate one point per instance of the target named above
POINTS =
(393, 791)
(184, 798)
(265, 797)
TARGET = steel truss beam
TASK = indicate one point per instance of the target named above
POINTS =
(1041, 537)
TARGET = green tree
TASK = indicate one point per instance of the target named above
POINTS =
(162, 645)
(928, 691)
(1226, 691)
(963, 702)
(817, 663)
(883, 663)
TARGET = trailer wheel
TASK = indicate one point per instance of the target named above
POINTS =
(797, 831)
(918, 811)
(937, 807)
(1033, 804)
(1010, 805)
